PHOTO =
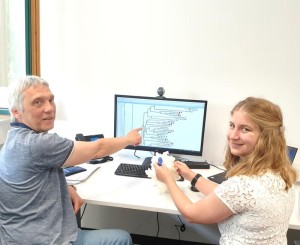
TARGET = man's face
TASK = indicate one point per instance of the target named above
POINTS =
(38, 109)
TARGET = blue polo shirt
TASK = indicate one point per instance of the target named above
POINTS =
(35, 206)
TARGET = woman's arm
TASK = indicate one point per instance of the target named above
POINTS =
(208, 210)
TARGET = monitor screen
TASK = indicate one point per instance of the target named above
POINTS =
(292, 151)
(173, 125)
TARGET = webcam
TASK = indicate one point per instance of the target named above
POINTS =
(160, 92)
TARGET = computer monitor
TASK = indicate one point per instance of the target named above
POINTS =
(173, 125)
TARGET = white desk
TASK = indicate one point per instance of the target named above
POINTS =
(107, 189)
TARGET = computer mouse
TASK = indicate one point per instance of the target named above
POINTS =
(193, 188)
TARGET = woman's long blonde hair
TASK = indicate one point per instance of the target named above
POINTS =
(270, 153)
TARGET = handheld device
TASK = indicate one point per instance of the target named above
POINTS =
(73, 170)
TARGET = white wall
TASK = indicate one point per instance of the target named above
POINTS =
(220, 51)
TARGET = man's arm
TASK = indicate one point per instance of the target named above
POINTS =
(85, 151)
(75, 198)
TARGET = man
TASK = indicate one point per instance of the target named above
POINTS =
(35, 205)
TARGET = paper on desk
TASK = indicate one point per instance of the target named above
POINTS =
(82, 176)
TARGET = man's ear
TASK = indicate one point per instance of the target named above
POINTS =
(16, 114)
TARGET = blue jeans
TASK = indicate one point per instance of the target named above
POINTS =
(103, 237)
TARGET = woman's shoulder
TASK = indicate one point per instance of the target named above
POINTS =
(266, 180)
(238, 192)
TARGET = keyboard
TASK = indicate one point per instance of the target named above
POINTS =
(218, 178)
(132, 170)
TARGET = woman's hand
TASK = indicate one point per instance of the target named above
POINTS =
(163, 174)
(184, 170)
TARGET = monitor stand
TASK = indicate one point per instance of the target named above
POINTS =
(147, 161)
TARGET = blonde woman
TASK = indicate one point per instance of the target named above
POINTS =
(254, 205)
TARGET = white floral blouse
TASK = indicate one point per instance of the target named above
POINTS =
(262, 209)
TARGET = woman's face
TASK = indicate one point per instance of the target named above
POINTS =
(242, 134)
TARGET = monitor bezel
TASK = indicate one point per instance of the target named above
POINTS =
(162, 149)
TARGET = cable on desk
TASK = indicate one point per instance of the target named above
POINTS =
(83, 211)
(179, 237)
(157, 221)
(182, 228)
(135, 154)
(216, 166)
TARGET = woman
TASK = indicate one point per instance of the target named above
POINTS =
(254, 204)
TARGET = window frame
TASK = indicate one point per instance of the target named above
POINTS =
(32, 37)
